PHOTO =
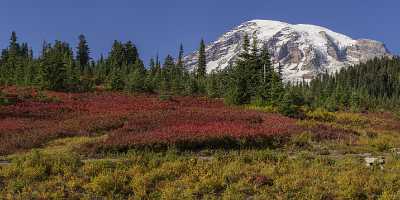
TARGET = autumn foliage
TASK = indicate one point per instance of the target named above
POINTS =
(138, 121)
(129, 120)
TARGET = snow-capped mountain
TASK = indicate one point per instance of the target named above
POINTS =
(303, 50)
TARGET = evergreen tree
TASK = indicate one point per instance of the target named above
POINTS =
(202, 62)
(167, 73)
(83, 53)
(246, 43)
(291, 104)
(264, 94)
(179, 63)
(117, 82)
(136, 79)
(53, 64)
(14, 47)
(130, 53)
(370, 85)
(116, 58)
(239, 91)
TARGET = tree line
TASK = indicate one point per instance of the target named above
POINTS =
(372, 85)
(251, 79)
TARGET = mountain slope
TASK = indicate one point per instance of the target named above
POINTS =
(303, 50)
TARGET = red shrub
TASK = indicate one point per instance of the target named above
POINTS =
(133, 121)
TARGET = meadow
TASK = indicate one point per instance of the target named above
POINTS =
(113, 145)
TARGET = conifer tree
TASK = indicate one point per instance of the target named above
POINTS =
(13, 48)
(53, 65)
(167, 73)
(136, 78)
(239, 90)
(179, 63)
(202, 63)
(130, 53)
(83, 53)
(246, 43)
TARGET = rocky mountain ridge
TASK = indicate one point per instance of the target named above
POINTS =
(303, 50)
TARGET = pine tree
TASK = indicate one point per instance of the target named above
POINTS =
(116, 82)
(136, 79)
(246, 43)
(179, 63)
(54, 67)
(266, 73)
(202, 63)
(131, 53)
(83, 53)
(254, 46)
(72, 82)
(167, 73)
(14, 47)
(116, 56)
(239, 91)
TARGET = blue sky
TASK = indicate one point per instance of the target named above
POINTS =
(161, 25)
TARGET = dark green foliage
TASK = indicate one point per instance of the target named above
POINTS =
(252, 78)
(291, 104)
(202, 62)
(117, 82)
(130, 53)
(55, 69)
(371, 85)
(136, 79)
(16, 63)
(54, 65)
(83, 53)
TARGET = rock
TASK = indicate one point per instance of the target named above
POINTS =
(396, 151)
(374, 161)
(304, 50)
(4, 162)
(206, 158)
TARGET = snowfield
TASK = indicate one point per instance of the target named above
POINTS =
(304, 50)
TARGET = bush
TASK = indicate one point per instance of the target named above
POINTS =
(291, 104)
(267, 109)
(302, 140)
(321, 115)
(382, 144)
(44, 98)
(165, 97)
(86, 84)
(351, 119)
(112, 184)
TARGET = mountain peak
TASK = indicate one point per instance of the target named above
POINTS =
(304, 50)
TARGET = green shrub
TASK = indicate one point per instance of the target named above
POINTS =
(42, 97)
(382, 144)
(292, 104)
(16, 185)
(267, 109)
(352, 119)
(321, 115)
(302, 140)
(110, 184)
(165, 97)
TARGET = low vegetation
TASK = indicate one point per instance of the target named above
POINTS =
(164, 132)
(190, 148)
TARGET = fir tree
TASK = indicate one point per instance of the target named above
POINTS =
(83, 53)
(179, 63)
(202, 63)
(53, 65)
(131, 53)
(246, 43)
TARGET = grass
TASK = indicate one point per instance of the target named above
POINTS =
(234, 174)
